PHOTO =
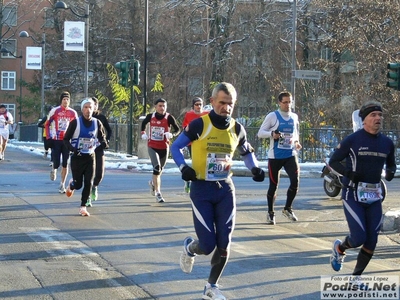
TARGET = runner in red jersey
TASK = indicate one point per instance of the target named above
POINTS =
(158, 142)
(56, 126)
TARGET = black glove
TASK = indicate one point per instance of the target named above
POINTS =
(389, 175)
(104, 145)
(188, 174)
(77, 152)
(258, 174)
(353, 176)
(277, 132)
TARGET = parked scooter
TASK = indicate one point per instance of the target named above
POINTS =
(332, 181)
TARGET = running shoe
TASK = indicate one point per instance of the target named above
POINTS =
(62, 189)
(94, 193)
(152, 189)
(51, 164)
(212, 292)
(83, 212)
(288, 213)
(187, 187)
(337, 258)
(159, 198)
(68, 191)
(89, 203)
(187, 259)
(271, 218)
(45, 154)
(53, 174)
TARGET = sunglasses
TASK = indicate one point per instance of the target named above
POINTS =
(198, 104)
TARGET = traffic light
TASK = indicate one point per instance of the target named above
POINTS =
(394, 73)
(123, 67)
(136, 72)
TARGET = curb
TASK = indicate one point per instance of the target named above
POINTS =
(391, 220)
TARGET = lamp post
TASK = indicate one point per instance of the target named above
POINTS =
(63, 5)
(146, 48)
(4, 50)
(294, 43)
(25, 34)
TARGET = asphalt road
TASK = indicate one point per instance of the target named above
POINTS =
(129, 248)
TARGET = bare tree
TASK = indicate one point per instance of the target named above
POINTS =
(358, 38)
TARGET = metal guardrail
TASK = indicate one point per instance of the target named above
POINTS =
(317, 143)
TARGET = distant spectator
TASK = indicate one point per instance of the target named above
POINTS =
(6, 119)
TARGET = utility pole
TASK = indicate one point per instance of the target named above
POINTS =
(294, 42)
(146, 49)
(130, 128)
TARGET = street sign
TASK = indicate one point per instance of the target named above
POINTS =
(307, 74)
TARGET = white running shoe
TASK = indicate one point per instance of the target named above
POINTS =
(212, 292)
(83, 212)
(187, 259)
(53, 174)
(288, 213)
(62, 189)
(159, 198)
(271, 218)
(152, 189)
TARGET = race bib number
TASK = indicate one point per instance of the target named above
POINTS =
(157, 133)
(369, 192)
(285, 141)
(218, 166)
(62, 124)
(85, 143)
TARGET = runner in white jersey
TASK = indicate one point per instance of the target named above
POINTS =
(6, 119)
(282, 128)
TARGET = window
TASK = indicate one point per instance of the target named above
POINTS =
(10, 45)
(10, 15)
(8, 80)
(326, 53)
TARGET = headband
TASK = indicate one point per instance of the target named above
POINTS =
(89, 100)
(369, 109)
